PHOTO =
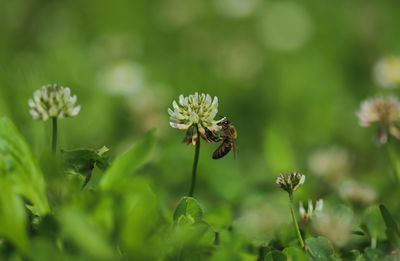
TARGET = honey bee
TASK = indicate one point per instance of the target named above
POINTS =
(228, 138)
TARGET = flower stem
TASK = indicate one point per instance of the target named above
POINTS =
(54, 141)
(194, 170)
(295, 220)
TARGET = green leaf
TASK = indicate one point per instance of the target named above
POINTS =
(321, 248)
(18, 165)
(189, 208)
(76, 226)
(83, 160)
(275, 255)
(374, 223)
(12, 216)
(373, 254)
(353, 255)
(392, 230)
(128, 163)
(295, 253)
(225, 254)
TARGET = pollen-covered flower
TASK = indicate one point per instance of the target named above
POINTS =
(312, 210)
(290, 182)
(53, 101)
(387, 72)
(384, 111)
(195, 114)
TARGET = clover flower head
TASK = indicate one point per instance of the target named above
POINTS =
(332, 163)
(195, 114)
(335, 224)
(357, 193)
(384, 111)
(312, 210)
(291, 182)
(387, 72)
(53, 101)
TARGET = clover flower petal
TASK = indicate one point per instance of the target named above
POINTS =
(53, 101)
(312, 209)
(195, 113)
(291, 182)
(384, 111)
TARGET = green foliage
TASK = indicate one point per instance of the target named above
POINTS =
(76, 226)
(18, 166)
(275, 255)
(189, 208)
(320, 248)
(353, 255)
(392, 229)
(83, 161)
(12, 216)
(290, 75)
(128, 163)
(294, 253)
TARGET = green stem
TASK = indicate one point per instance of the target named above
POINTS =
(394, 161)
(295, 220)
(373, 242)
(54, 141)
(194, 170)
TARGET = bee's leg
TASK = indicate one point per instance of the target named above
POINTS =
(213, 136)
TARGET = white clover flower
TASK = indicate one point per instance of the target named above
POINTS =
(357, 193)
(336, 224)
(332, 163)
(290, 182)
(195, 114)
(387, 72)
(312, 210)
(53, 101)
(382, 111)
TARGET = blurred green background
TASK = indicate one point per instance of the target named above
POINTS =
(290, 75)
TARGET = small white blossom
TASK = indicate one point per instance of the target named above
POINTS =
(312, 210)
(290, 182)
(336, 224)
(332, 163)
(53, 101)
(382, 111)
(357, 193)
(195, 114)
(387, 72)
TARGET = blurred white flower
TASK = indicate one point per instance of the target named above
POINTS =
(285, 26)
(195, 114)
(291, 182)
(53, 101)
(312, 210)
(236, 8)
(387, 72)
(357, 193)
(385, 112)
(333, 163)
(258, 221)
(122, 77)
(336, 224)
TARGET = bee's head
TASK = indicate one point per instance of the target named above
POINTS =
(223, 122)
